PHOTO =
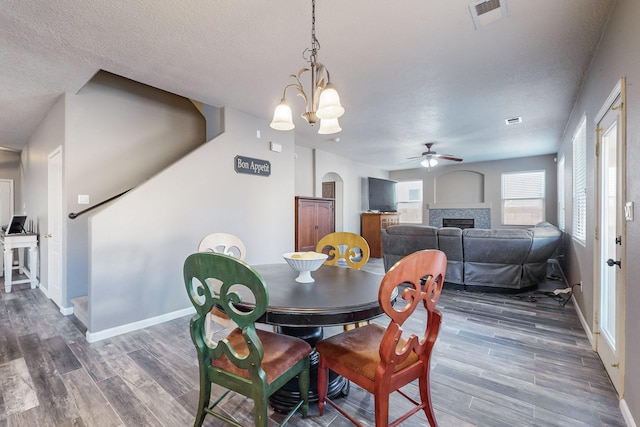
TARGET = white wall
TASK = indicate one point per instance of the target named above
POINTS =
(304, 161)
(139, 243)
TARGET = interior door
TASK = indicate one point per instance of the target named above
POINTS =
(6, 201)
(54, 232)
(609, 330)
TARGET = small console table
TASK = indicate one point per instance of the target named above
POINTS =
(19, 241)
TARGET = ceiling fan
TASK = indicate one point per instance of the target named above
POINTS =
(430, 158)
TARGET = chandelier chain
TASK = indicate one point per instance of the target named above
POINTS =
(315, 44)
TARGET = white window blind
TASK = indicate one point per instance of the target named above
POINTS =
(523, 197)
(580, 182)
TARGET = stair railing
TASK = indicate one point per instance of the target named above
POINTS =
(74, 215)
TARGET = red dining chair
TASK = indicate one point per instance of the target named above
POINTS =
(381, 360)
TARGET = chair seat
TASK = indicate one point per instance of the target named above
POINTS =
(358, 350)
(281, 352)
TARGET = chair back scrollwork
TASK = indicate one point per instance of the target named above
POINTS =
(350, 247)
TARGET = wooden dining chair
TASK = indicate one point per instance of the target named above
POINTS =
(249, 361)
(223, 243)
(228, 244)
(382, 360)
(350, 247)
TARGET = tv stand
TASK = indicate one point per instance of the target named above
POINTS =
(371, 224)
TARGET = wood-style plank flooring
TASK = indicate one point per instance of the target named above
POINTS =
(500, 360)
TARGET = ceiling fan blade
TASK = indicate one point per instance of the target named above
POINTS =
(442, 156)
(413, 158)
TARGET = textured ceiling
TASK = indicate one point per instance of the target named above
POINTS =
(408, 71)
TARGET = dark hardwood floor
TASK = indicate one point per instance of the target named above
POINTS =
(500, 360)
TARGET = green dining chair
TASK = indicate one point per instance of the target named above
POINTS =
(248, 361)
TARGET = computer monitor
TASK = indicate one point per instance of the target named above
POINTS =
(17, 224)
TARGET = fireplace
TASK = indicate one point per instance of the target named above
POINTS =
(471, 215)
(458, 222)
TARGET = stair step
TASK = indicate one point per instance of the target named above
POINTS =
(81, 309)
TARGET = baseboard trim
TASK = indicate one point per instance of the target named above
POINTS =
(583, 321)
(141, 324)
(626, 414)
(66, 310)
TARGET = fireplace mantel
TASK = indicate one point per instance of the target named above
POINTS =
(459, 206)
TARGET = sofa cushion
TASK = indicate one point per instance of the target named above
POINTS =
(494, 257)
(450, 242)
(547, 241)
(399, 241)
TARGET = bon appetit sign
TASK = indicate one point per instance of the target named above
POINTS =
(251, 166)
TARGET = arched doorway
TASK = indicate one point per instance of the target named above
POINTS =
(338, 193)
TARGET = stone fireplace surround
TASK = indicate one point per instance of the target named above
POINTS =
(479, 212)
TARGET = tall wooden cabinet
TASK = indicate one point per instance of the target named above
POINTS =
(371, 224)
(314, 220)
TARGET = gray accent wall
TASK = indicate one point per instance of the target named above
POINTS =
(115, 134)
(617, 56)
(138, 245)
(473, 191)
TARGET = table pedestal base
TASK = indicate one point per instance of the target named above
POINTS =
(289, 395)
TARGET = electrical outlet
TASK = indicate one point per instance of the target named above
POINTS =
(580, 285)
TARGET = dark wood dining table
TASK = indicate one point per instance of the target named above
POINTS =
(338, 296)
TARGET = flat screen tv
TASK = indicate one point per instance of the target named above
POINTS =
(382, 195)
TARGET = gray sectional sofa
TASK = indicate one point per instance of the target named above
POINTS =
(480, 259)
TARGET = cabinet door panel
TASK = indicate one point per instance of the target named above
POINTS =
(324, 219)
(314, 219)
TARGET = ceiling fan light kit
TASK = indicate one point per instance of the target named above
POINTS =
(324, 103)
(428, 162)
(429, 158)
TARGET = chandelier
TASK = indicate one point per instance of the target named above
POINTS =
(324, 103)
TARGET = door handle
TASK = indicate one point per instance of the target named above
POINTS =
(611, 263)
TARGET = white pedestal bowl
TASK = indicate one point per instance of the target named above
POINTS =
(305, 263)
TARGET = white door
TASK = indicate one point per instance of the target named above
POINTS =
(609, 331)
(6, 201)
(54, 231)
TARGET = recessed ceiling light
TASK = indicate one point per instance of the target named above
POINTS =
(513, 120)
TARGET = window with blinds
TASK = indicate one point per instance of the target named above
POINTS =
(410, 201)
(580, 182)
(523, 197)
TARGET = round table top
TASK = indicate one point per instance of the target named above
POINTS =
(338, 296)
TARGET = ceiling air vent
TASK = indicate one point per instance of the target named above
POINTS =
(513, 120)
(485, 12)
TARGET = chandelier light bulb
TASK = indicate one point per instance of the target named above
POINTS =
(282, 117)
(329, 104)
(329, 126)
